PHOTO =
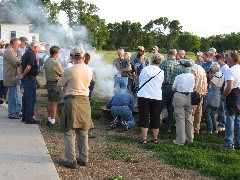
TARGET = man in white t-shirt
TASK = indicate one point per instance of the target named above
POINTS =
(231, 94)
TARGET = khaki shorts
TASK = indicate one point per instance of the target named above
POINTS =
(53, 91)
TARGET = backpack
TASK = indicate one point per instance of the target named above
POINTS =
(195, 98)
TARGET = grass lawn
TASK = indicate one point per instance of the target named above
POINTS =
(204, 155)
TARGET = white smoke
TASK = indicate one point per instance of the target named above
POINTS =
(67, 38)
(105, 73)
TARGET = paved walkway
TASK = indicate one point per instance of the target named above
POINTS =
(23, 152)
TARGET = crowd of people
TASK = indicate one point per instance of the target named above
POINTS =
(159, 83)
(148, 84)
(19, 67)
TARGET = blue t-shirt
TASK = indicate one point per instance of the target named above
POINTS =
(140, 66)
(206, 66)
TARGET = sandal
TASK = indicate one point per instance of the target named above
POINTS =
(14, 117)
(143, 141)
(155, 141)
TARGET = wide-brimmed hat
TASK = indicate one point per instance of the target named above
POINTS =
(185, 63)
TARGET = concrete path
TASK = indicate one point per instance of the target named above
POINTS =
(23, 152)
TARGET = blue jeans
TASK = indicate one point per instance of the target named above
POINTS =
(91, 87)
(14, 101)
(125, 113)
(221, 115)
(29, 97)
(167, 98)
(120, 83)
(231, 121)
(211, 123)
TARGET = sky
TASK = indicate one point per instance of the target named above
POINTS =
(200, 17)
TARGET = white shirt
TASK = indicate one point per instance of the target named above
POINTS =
(69, 65)
(1, 68)
(233, 73)
(218, 79)
(153, 88)
(224, 68)
(184, 82)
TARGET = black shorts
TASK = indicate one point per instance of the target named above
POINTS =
(149, 112)
(53, 91)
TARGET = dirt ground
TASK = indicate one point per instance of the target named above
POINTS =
(101, 166)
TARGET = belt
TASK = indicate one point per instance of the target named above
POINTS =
(167, 84)
(30, 76)
(186, 93)
(121, 105)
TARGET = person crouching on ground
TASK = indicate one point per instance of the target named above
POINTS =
(213, 99)
(53, 71)
(76, 113)
(149, 99)
(183, 86)
(122, 105)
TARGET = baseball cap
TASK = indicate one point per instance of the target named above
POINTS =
(140, 48)
(155, 48)
(185, 63)
(2, 42)
(77, 51)
(212, 50)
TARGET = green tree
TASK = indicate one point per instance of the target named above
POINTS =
(189, 42)
(205, 44)
(68, 6)
(81, 13)
(174, 31)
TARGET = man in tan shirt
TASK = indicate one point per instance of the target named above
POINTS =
(53, 71)
(10, 70)
(76, 116)
(201, 88)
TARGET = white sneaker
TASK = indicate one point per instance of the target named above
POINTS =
(177, 143)
(221, 128)
(4, 105)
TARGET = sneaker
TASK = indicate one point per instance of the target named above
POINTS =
(16, 116)
(177, 143)
(206, 132)
(112, 126)
(67, 164)
(81, 163)
(3, 105)
(221, 129)
(31, 121)
(125, 126)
